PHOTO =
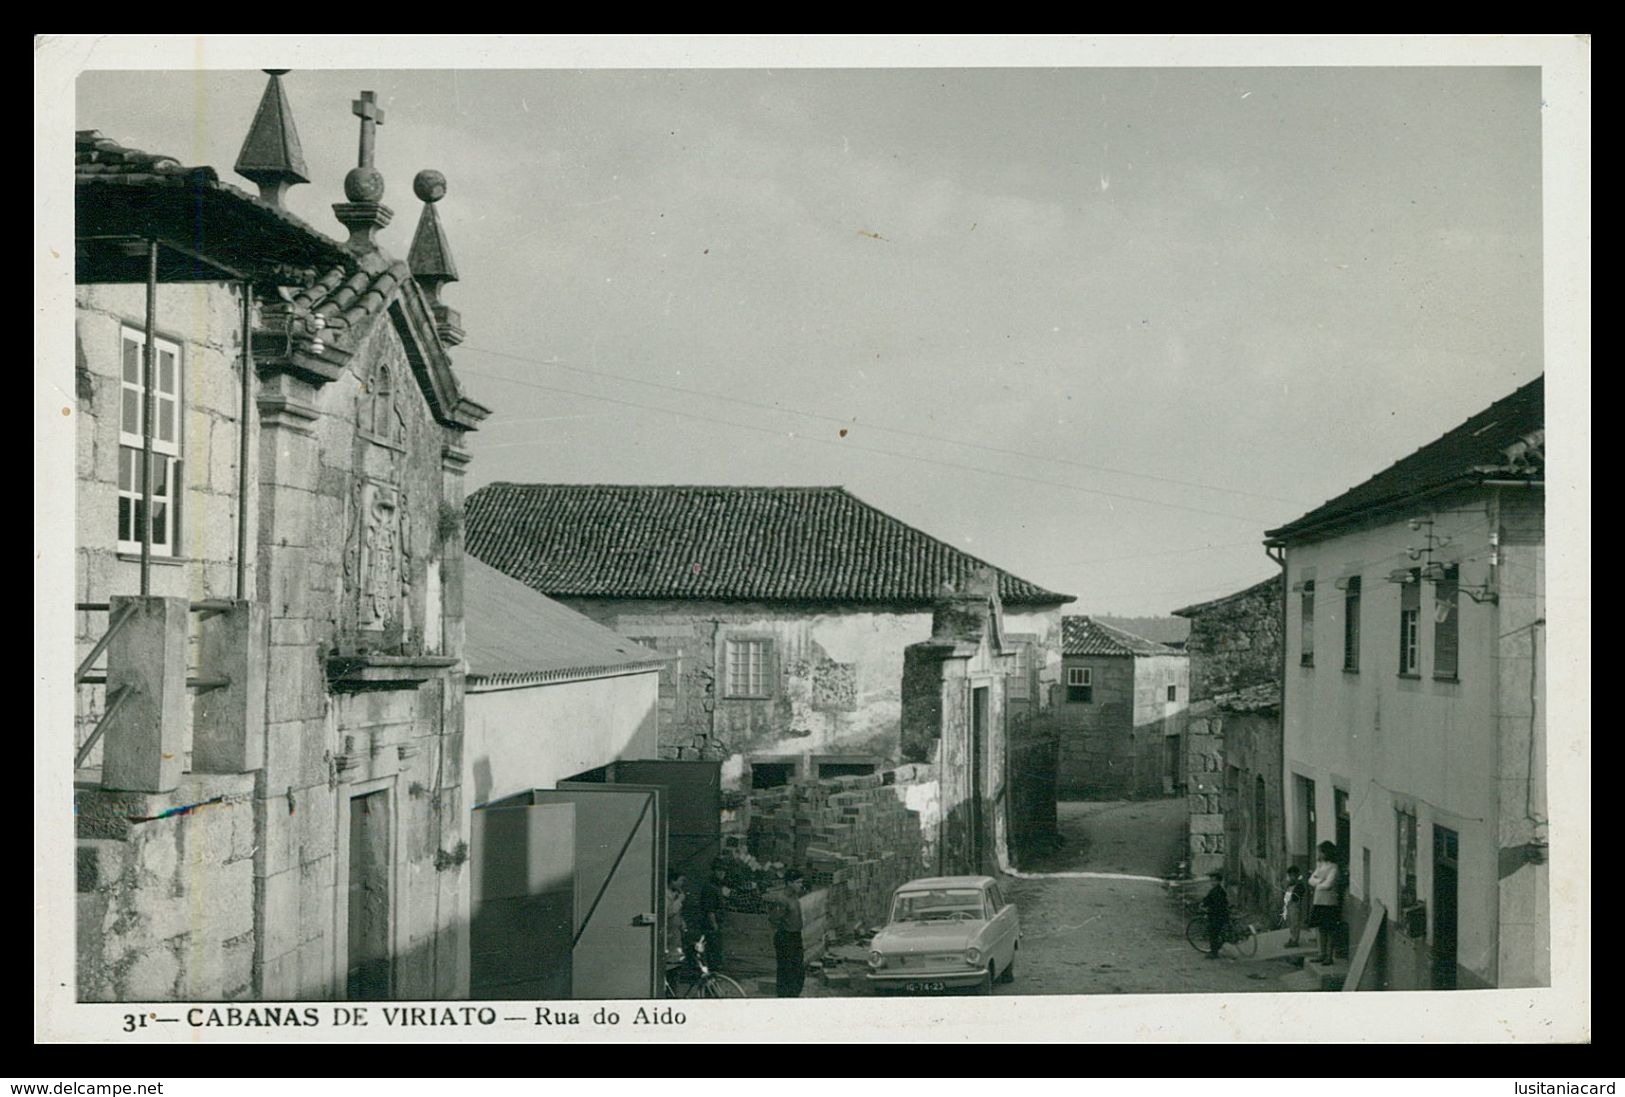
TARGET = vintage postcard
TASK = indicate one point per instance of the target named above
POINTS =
(607, 539)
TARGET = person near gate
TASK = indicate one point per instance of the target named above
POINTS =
(785, 918)
(677, 919)
(712, 900)
(1325, 913)
(1293, 902)
(1216, 905)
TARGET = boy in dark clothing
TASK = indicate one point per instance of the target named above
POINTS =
(1216, 905)
(785, 918)
(713, 894)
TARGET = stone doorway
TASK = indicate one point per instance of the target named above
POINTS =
(368, 967)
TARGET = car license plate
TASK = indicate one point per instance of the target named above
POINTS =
(916, 988)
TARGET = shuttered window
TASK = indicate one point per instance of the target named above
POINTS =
(1446, 622)
(1351, 624)
(1307, 647)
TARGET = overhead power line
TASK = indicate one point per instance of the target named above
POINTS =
(906, 432)
(857, 447)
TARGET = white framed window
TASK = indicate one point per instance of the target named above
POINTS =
(749, 667)
(1020, 673)
(1410, 616)
(166, 443)
(1080, 685)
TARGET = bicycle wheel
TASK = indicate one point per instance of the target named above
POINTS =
(1196, 933)
(1245, 941)
(716, 985)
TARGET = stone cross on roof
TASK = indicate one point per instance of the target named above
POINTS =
(364, 213)
(372, 115)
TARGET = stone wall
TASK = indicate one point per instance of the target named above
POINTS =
(1235, 641)
(400, 732)
(340, 570)
(205, 321)
(1255, 843)
(165, 892)
(837, 678)
(1204, 749)
(1096, 758)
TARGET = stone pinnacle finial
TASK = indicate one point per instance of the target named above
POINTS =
(364, 213)
(430, 257)
(271, 155)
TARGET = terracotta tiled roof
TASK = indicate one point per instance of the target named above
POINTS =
(123, 191)
(1159, 630)
(1491, 445)
(94, 154)
(348, 299)
(1088, 636)
(1262, 697)
(818, 544)
(516, 635)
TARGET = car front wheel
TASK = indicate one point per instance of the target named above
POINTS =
(986, 985)
(1009, 975)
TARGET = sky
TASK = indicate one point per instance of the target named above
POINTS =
(1101, 327)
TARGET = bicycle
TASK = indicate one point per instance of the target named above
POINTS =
(704, 983)
(1239, 937)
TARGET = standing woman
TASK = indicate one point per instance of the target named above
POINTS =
(1325, 913)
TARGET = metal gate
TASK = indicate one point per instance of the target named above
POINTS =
(569, 896)
(691, 793)
(522, 885)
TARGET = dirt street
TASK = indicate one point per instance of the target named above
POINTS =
(1139, 837)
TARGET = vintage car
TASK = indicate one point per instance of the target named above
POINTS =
(946, 932)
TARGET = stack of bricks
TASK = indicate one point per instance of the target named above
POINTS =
(851, 836)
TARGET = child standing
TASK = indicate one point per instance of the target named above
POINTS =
(1295, 899)
(1324, 918)
(1216, 905)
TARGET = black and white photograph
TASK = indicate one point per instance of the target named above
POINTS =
(559, 526)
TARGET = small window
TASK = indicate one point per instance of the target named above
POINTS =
(770, 774)
(1410, 615)
(1446, 622)
(1080, 685)
(1173, 693)
(845, 769)
(1351, 624)
(1307, 610)
(998, 899)
(166, 444)
(1020, 672)
(749, 668)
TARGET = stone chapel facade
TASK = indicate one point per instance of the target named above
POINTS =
(267, 780)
